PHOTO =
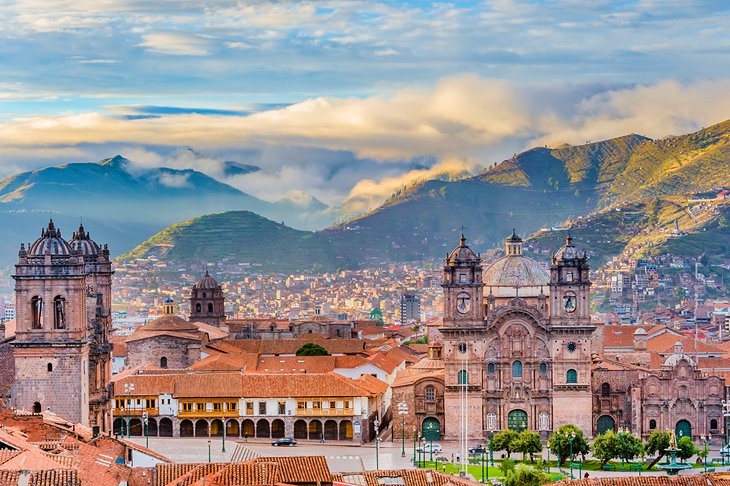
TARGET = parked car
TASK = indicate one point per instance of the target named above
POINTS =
(430, 448)
(284, 441)
(480, 449)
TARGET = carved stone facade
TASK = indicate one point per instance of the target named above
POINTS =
(63, 320)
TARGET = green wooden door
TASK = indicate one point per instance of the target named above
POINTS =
(431, 429)
(683, 429)
(605, 423)
(517, 420)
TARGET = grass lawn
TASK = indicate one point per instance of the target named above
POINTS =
(475, 470)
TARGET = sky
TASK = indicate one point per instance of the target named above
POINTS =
(349, 100)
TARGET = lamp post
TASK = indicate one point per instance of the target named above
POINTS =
(483, 468)
(571, 438)
(422, 452)
(431, 431)
(705, 441)
(128, 389)
(145, 420)
(403, 411)
(726, 417)
(491, 449)
(415, 437)
(548, 458)
(209, 451)
(377, 444)
(223, 447)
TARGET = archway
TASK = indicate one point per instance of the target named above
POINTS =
(330, 430)
(135, 427)
(431, 429)
(216, 428)
(152, 427)
(248, 429)
(201, 428)
(517, 420)
(300, 429)
(186, 428)
(345, 430)
(232, 428)
(683, 429)
(119, 427)
(277, 429)
(315, 429)
(262, 429)
(37, 407)
(165, 427)
(605, 423)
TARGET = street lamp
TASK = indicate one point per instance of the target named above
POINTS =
(403, 411)
(209, 451)
(726, 417)
(145, 420)
(377, 445)
(705, 441)
(415, 437)
(571, 438)
(223, 447)
(128, 389)
(491, 449)
(422, 452)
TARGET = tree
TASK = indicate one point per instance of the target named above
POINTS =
(560, 442)
(686, 448)
(605, 446)
(629, 446)
(505, 441)
(507, 466)
(525, 475)
(657, 443)
(528, 442)
(312, 349)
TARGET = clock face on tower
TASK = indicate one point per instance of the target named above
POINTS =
(463, 303)
(569, 302)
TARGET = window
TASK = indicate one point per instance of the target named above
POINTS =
(333, 404)
(118, 403)
(490, 368)
(262, 408)
(517, 369)
(339, 333)
(713, 424)
(462, 347)
(301, 405)
(463, 378)
(232, 406)
(348, 404)
(316, 404)
(217, 407)
(163, 362)
(543, 370)
(37, 407)
(205, 295)
(462, 278)
(151, 403)
(569, 276)
(571, 376)
(36, 304)
(198, 309)
(59, 312)
(50, 367)
(652, 424)
(187, 407)
(210, 307)
(430, 393)
(200, 406)
(605, 390)
(249, 408)
(282, 408)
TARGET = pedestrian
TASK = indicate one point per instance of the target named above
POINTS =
(321, 439)
(452, 457)
(245, 436)
(586, 475)
(458, 458)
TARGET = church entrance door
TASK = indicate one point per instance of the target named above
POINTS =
(605, 423)
(517, 420)
(683, 429)
(431, 429)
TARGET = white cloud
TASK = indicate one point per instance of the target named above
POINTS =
(176, 43)
(174, 180)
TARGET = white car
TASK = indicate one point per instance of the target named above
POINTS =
(430, 448)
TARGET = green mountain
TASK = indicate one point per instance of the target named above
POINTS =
(538, 188)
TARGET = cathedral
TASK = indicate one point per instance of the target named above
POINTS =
(63, 322)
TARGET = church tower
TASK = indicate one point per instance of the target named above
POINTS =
(463, 347)
(571, 331)
(52, 342)
(207, 303)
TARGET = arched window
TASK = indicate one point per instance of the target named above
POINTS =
(463, 377)
(210, 307)
(713, 424)
(59, 312)
(430, 393)
(50, 367)
(517, 369)
(652, 424)
(36, 304)
(605, 390)
(571, 376)
(205, 295)
(163, 362)
(37, 407)
(543, 368)
(490, 368)
(198, 308)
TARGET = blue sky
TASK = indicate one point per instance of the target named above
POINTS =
(342, 99)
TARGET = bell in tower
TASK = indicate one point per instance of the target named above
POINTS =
(463, 287)
(570, 284)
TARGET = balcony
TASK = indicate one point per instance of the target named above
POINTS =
(325, 412)
(134, 412)
(207, 413)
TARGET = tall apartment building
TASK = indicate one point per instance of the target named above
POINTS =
(410, 308)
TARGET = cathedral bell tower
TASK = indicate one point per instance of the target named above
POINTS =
(571, 331)
(463, 288)
(207, 303)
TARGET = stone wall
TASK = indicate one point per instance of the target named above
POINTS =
(152, 350)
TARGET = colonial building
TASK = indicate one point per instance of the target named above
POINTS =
(207, 303)
(61, 348)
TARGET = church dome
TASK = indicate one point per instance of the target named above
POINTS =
(50, 242)
(206, 282)
(568, 251)
(82, 243)
(515, 273)
(461, 254)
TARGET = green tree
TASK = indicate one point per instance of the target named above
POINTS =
(560, 442)
(528, 442)
(507, 466)
(505, 441)
(657, 443)
(312, 349)
(629, 446)
(680, 293)
(686, 448)
(605, 447)
(525, 475)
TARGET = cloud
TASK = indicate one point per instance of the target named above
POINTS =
(175, 180)
(177, 43)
